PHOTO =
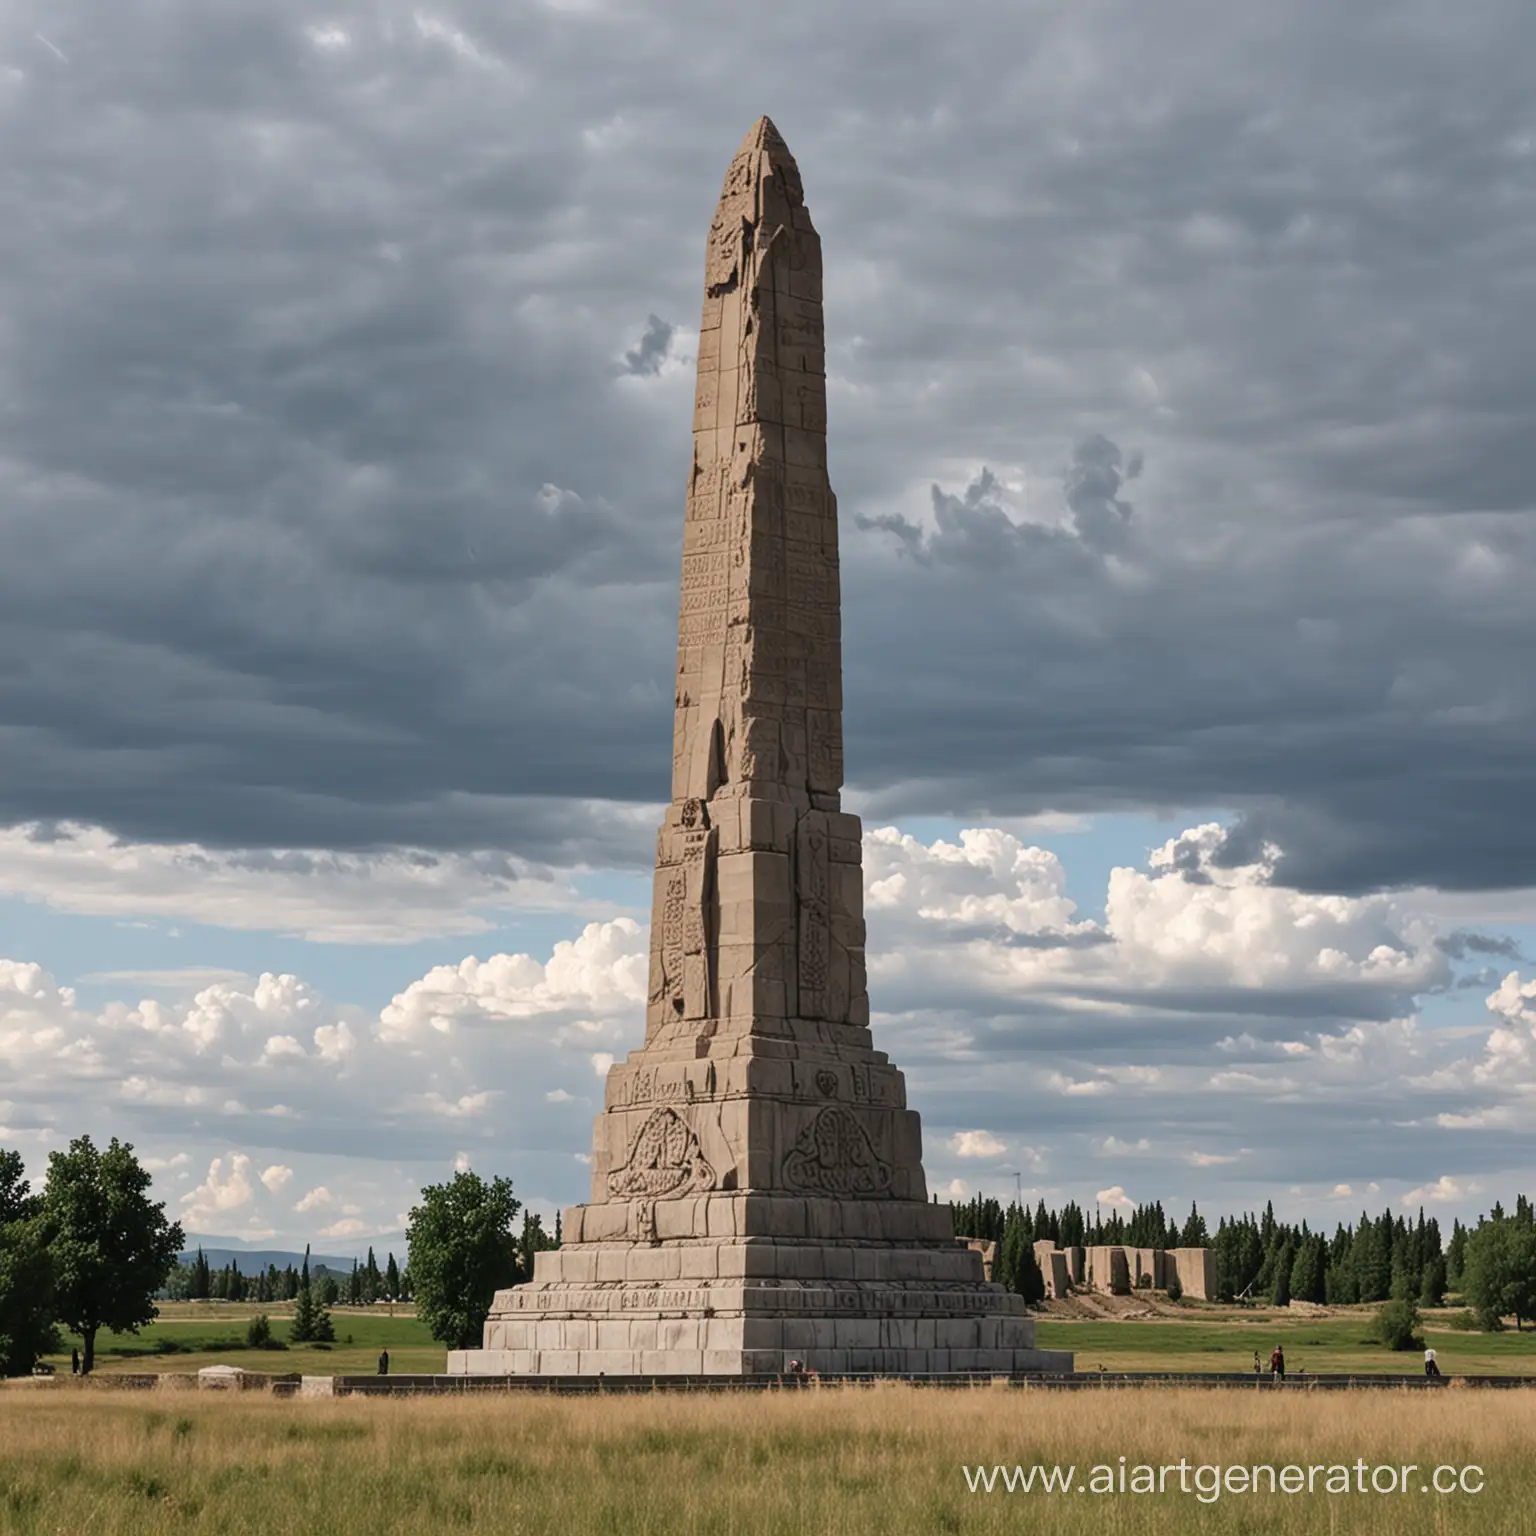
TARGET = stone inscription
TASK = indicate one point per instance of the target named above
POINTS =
(875, 1299)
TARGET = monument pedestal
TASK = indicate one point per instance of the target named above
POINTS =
(863, 1287)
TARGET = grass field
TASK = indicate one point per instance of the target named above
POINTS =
(189, 1335)
(1213, 1341)
(193, 1334)
(886, 1460)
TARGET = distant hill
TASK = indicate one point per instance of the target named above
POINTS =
(220, 1251)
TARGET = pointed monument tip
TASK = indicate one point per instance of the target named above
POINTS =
(762, 135)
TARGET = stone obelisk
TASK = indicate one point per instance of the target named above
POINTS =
(757, 1181)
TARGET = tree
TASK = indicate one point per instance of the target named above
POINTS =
(1398, 1323)
(1011, 1249)
(26, 1273)
(311, 1320)
(1280, 1274)
(1499, 1271)
(533, 1240)
(392, 1279)
(1309, 1269)
(111, 1246)
(1028, 1281)
(1194, 1234)
(1432, 1291)
(1455, 1256)
(462, 1251)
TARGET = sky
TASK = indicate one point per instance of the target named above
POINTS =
(1180, 398)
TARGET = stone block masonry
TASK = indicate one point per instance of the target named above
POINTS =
(757, 1180)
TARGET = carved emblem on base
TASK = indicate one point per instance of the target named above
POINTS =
(834, 1156)
(664, 1161)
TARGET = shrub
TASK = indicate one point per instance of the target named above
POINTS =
(258, 1332)
(1398, 1323)
(1175, 1290)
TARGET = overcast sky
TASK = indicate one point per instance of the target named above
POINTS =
(1181, 404)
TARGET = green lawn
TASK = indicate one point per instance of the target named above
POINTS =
(190, 1335)
(1317, 1345)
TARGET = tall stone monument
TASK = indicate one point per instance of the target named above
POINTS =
(757, 1180)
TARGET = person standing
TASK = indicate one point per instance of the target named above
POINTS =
(1431, 1366)
(1277, 1364)
(383, 1362)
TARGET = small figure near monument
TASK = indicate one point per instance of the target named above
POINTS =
(1431, 1366)
(383, 1362)
(1277, 1364)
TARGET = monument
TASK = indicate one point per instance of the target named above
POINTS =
(757, 1180)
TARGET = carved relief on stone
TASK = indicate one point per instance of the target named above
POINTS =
(664, 1162)
(813, 894)
(642, 1222)
(683, 977)
(834, 1156)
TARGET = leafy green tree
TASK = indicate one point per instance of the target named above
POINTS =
(330, 1292)
(462, 1251)
(26, 1273)
(1499, 1271)
(111, 1245)
(392, 1279)
(1398, 1323)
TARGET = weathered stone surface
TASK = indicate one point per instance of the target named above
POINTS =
(757, 1179)
(1109, 1270)
(1195, 1270)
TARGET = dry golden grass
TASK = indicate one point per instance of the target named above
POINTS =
(883, 1460)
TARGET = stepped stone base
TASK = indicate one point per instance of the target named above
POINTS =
(898, 1299)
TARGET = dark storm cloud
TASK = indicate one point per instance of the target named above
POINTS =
(977, 529)
(648, 357)
(1460, 944)
(342, 506)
